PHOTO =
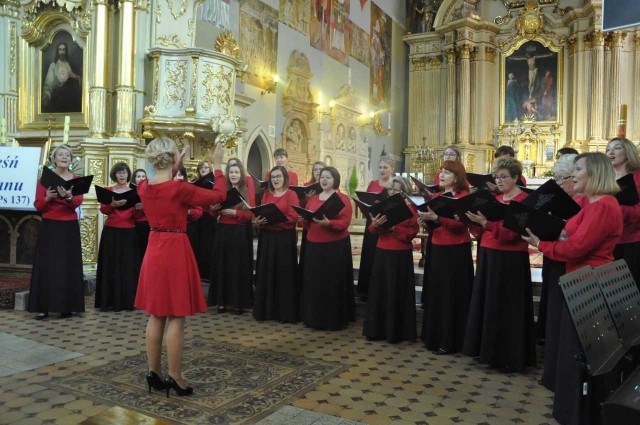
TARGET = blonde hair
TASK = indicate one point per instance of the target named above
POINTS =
(388, 160)
(512, 165)
(602, 176)
(630, 151)
(52, 157)
(161, 152)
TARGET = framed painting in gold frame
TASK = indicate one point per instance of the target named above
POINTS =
(531, 74)
(50, 76)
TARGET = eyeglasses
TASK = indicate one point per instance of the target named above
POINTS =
(449, 154)
(561, 179)
(502, 177)
(276, 177)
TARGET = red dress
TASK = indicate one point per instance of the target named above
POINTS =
(169, 283)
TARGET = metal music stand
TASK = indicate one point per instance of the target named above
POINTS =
(598, 336)
(623, 298)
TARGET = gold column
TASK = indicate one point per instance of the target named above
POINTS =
(606, 78)
(464, 94)
(416, 99)
(431, 80)
(98, 90)
(597, 84)
(616, 39)
(124, 88)
(450, 112)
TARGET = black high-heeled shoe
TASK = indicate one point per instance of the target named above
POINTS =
(153, 380)
(171, 383)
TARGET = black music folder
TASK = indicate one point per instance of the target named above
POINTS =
(421, 185)
(372, 197)
(550, 197)
(133, 186)
(105, 196)
(303, 191)
(443, 206)
(394, 207)
(482, 201)
(234, 197)
(270, 212)
(628, 194)
(330, 209)
(542, 224)
(259, 184)
(50, 179)
(206, 181)
(480, 180)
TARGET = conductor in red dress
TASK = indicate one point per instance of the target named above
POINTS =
(169, 288)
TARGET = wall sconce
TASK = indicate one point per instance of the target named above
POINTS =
(271, 85)
(325, 118)
(367, 119)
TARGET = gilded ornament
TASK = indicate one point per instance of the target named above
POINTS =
(117, 160)
(189, 136)
(89, 236)
(177, 14)
(96, 168)
(435, 62)
(418, 64)
(451, 55)
(469, 162)
(217, 83)
(170, 41)
(191, 25)
(190, 112)
(227, 45)
(465, 51)
(530, 21)
(156, 77)
(149, 110)
(12, 49)
(194, 81)
(490, 54)
(175, 91)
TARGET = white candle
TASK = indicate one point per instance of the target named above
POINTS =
(3, 131)
(349, 76)
(65, 134)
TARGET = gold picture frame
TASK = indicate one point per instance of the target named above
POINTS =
(531, 82)
(39, 41)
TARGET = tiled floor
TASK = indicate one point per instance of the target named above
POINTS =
(380, 383)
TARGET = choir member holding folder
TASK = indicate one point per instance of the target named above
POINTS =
(588, 240)
(624, 157)
(449, 271)
(391, 307)
(277, 295)
(500, 328)
(56, 278)
(118, 255)
(170, 287)
(194, 212)
(327, 284)
(142, 224)
(314, 182)
(231, 278)
(369, 241)
(205, 231)
(251, 200)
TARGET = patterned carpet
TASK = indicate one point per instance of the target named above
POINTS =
(232, 384)
(8, 289)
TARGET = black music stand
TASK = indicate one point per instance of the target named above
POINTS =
(623, 298)
(596, 330)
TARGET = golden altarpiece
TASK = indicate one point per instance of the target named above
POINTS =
(536, 75)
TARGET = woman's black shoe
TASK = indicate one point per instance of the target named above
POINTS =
(171, 383)
(42, 316)
(153, 380)
(440, 351)
(65, 315)
(222, 309)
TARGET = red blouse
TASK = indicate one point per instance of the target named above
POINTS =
(285, 204)
(123, 219)
(399, 237)
(631, 217)
(591, 236)
(242, 216)
(450, 231)
(496, 236)
(338, 227)
(57, 208)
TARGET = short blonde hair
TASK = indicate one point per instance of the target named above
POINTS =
(456, 150)
(388, 160)
(52, 157)
(630, 151)
(161, 153)
(602, 176)
(512, 165)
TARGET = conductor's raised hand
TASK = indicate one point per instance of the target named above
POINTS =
(378, 220)
(478, 218)
(215, 156)
(324, 222)
(116, 204)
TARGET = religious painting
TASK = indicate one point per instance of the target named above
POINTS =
(380, 57)
(320, 24)
(258, 41)
(531, 82)
(61, 75)
(359, 46)
(339, 35)
(295, 14)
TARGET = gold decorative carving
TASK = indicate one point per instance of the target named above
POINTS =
(297, 95)
(175, 91)
(597, 38)
(451, 55)
(573, 45)
(177, 14)
(530, 21)
(474, 53)
(191, 25)
(637, 40)
(226, 44)
(465, 51)
(194, 82)
(217, 85)
(156, 76)
(616, 38)
(170, 41)
(490, 54)
(418, 63)
(157, 11)
(469, 162)
(435, 62)
(12, 49)
(115, 160)
(96, 168)
(89, 237)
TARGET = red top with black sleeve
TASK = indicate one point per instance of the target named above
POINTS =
(243, 216)
(123, 219)
(57, 208)
(591, 236)
(399, 237)
(338, 226)
(496, 236)
(631, 217)
(450, 231)
(285, 204)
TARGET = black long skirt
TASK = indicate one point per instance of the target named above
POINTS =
(206, 230)
(142, 233)
(277, 295)
(551, 272)
(56, 279)
(118, 269)
(231, 283)
(426, 254)
(630, 252)
(500, 328)
(367, 254)
(328, 299)
(391, 307)
(450, 280)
